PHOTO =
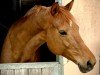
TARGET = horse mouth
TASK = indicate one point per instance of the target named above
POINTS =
(83, 69)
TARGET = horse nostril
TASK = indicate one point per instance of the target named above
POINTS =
(89, 65)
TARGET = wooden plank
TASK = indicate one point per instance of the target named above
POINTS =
(17, 71)
(27, 65)
(35, 71)
(24, 71)
(56, 70)
(48, 68)
(47, 71)
(3, 72)
(7, 72)
(10, 72)
(60, 69)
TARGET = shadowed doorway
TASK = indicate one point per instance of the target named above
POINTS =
(11, 11)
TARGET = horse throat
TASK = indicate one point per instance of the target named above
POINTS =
(34, 43)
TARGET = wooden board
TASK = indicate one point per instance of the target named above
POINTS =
(42, 68)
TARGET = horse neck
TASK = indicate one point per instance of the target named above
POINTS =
(28, 24)
(34, 28)
(35, 40)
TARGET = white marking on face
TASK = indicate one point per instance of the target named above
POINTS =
(70, 23)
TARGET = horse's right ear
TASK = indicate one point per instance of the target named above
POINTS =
(54, 8)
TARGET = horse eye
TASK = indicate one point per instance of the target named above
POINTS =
(62, 32)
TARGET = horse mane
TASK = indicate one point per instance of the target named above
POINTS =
(37, 8)
(34, 10)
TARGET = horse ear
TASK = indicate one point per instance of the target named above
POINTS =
(54, 8)
(69, 5)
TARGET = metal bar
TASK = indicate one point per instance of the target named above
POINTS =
(59, 1)
(20, 3)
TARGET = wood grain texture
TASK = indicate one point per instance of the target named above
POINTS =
(7, 72)
(48, 71)
(28, 65)
(35, 71)
(17, 71)
(24, 72)
(51, 68)
(3, 72)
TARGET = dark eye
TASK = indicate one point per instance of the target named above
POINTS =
(62, 32)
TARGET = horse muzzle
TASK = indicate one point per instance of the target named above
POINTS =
(89, 67)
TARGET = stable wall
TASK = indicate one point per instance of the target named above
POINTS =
(87, 13)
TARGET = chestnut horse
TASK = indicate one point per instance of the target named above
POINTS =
(53, 25)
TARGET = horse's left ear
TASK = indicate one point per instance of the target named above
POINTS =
(54, 8)
(69, 5)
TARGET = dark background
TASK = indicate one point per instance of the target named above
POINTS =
(12, 10)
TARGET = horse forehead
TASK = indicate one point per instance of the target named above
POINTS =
(63, 22)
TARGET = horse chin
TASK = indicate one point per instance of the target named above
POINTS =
(83, 69)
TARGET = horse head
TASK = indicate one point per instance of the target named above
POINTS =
(63, 38)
